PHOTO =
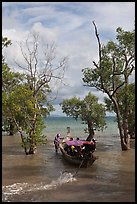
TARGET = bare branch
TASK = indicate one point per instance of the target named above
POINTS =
(24, 68)
(99, 44)
(100, 54)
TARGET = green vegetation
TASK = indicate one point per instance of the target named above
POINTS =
(25, 96)
(131, 106)
(111, 76)
(88, 110)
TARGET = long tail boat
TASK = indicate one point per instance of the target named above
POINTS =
(82, 155)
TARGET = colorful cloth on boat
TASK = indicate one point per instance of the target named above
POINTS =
(74, 142)
(78, 142)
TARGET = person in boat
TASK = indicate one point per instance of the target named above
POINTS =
(79, 148)
(67, 149)
(89, 148)
(57, 141)
(91, 139)
(73, 150)
(94, 144)
(79, 153)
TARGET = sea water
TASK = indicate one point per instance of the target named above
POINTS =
(56, 125)
(47, 177)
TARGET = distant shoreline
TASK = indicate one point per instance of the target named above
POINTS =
(59, 116)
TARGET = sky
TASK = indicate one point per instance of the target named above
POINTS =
(69, 25)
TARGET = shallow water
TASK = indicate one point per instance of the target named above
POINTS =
(46, 177)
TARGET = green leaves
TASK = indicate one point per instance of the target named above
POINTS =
(88, 110)
(71, 107)
(25, 96)
(111, 76)
(116, 59)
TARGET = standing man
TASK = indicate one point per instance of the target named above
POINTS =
(56, 142)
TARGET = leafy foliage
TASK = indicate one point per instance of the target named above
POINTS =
(110, 75)
(25, 96)
(88, 110)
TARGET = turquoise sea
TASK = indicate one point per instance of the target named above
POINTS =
(56, 125)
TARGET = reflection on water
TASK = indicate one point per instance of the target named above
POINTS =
(46, 177)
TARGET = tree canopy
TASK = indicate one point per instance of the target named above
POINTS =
(88, 110)
(111, 75)
(25, 96)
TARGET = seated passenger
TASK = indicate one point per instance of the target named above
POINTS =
(87, 150)
(79, 153)
(73, 150)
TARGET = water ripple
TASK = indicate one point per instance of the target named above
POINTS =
(18, 188)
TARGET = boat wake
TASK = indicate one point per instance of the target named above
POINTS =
(19, 188)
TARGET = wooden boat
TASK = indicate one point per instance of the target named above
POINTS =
(83, 161)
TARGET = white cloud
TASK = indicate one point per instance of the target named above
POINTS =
(69, 25)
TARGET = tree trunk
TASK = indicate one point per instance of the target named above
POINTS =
(124, 145)
(32, 149)
(126, 134)
(11, 131)
(33, 146)
(22, 137)
(24, 143)
(126, 114)
(90, 130)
